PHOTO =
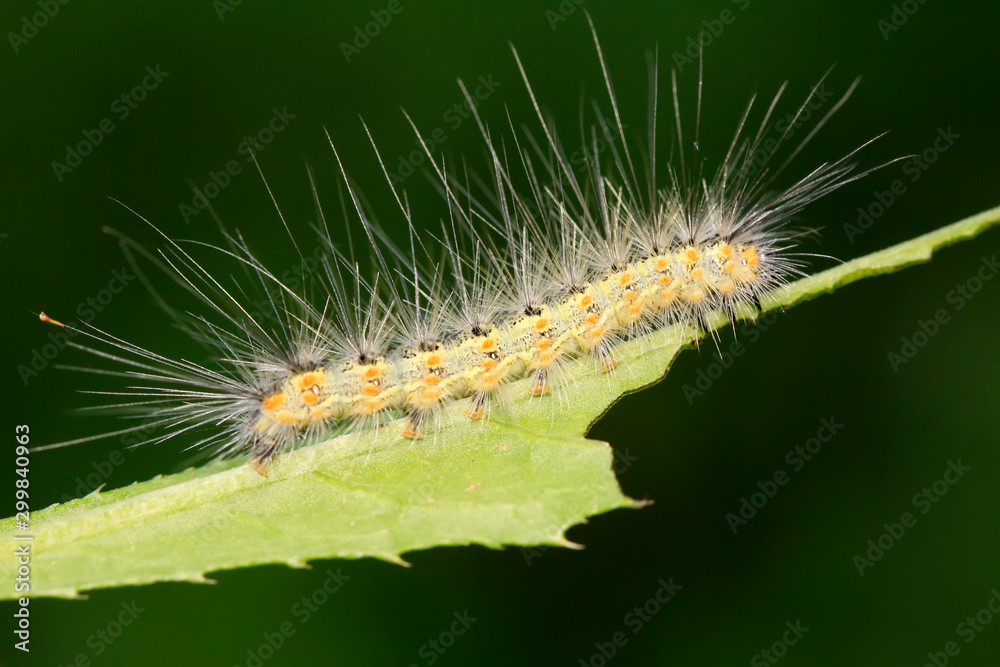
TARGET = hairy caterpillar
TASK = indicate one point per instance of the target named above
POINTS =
(534, 266)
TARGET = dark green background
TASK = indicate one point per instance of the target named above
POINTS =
(825, 358)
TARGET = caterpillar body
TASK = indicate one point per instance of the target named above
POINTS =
(533, 267)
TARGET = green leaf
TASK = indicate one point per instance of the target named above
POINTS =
(521, 478)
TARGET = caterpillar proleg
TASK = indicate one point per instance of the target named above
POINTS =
(535, 265)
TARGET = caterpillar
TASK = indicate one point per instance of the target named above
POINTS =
(535, 265)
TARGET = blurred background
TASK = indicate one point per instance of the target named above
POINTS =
(212, 73)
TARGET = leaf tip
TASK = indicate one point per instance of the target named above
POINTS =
(395, 559)
(561, 541)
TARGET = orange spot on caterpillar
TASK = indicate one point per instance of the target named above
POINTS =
(544, 344)
(431, 379)
(309, 398)
(666, 280)
(749, 255)
(541, 324)
(586, 300)
(726, 251)
(309, 380)
(694, 295)
(630, 296)
(697, 274)
(45, 318)
(316, 414)
(286, 417)
(592, 319)
(691, 255)
(625, 279)
(372, 372)
(370, 390)
(488, 344)
(433, 360)
(274, 401)
(662, 264)
(597, 333)
(489, 364)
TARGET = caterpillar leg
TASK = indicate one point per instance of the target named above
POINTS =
(261, 466)
(414, 420)
(477, 405)
(262, 455)
(539, 383)
(609, 361)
